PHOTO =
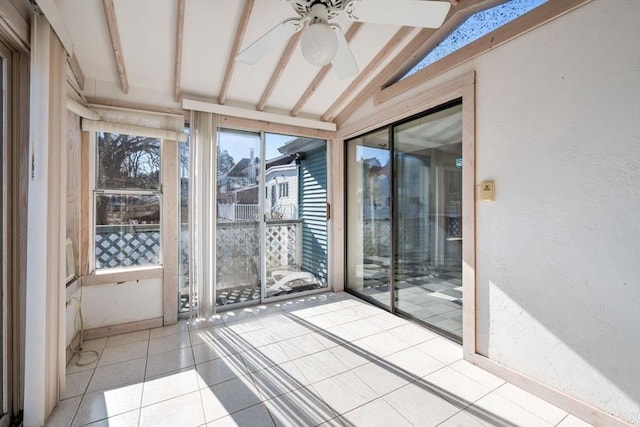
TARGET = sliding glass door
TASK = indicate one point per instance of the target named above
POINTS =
(428, 219)
(271, 231)
(404, 218)
(369, 214)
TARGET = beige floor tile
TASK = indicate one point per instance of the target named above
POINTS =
(128, 419)
(420, 405)
(128, 338)
(280, 379)
(169, 362)
(220, 370)
(229, 397)
(301, 407)
(63, 413)
(572, 421)
(477, 374)
(108, 403)
(548, 412)
(169, 386)
(442, 349)
(318, 366)
(413, 362)
(182, 327)
(255, 416)
(377, 413)
(76, 384)
(123, 353)
(502, 412)
(168, 343)
(183, 411)
(457, 387)
(382, 378)
(344, 392)
(119, 374)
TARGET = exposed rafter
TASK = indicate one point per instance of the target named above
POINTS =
(177, 72)
(275, 77)
(237, 41)
(110, 16)
(349, 35)
(381, 56)
(409, 54)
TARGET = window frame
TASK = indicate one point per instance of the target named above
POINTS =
(283, 189)
(94, 192)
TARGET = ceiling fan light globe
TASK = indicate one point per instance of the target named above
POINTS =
(319, 44)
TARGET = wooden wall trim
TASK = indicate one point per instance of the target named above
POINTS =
(586, 412)
(170, 230)
(396, 111)
(122, 328)
(231, 122)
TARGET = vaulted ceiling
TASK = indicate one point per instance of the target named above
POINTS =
(155, 52)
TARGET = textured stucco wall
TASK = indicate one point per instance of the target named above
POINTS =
(558, 252)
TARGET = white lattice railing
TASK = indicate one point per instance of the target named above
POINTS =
(127, 246)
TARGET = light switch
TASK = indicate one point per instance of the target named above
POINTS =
(488, 191)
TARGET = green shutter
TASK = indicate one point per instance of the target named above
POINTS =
(312, 197)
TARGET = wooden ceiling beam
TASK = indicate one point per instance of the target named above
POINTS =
(231, 62)
(177, 71)
(277, 73)
(381, 56)
(112, 25)
(77, 71)
(322, 74)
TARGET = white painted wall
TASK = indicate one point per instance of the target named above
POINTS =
(112, 304)
(558, 252)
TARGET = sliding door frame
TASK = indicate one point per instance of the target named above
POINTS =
(262, 223)
(396, 111)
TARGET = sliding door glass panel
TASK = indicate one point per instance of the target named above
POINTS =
(428, 219)
(369, 216)
(237, 217)
(295, 191)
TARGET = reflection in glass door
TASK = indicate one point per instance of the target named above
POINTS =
(369, 216)
(404, 203)
(428, 214)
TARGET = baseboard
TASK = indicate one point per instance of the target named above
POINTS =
(575, 407)
(122, 328)
(75, 342)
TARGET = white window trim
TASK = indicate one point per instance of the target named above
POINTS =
(107, 274)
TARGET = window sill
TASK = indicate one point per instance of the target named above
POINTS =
(122, 275)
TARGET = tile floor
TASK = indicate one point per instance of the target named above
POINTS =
(328, 359)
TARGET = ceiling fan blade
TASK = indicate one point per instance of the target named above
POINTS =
(412, 13)
(272, 38)
(344, 63)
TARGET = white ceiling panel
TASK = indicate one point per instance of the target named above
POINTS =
(148, 41)
(249, 81)
(209, 30)
(87, 27)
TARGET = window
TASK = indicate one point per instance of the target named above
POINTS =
(283, 189)
(127, 201)
(475, 27)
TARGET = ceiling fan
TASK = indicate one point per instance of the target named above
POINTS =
(323, 42)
